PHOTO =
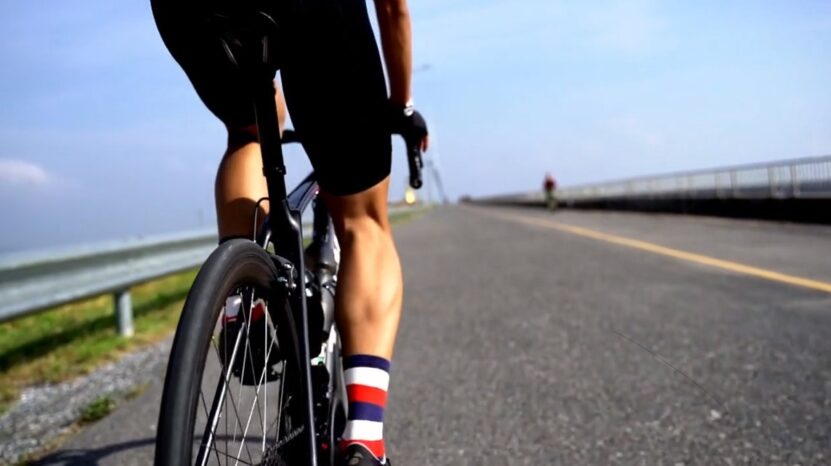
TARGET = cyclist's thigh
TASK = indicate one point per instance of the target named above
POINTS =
(182, 25)
(336, 93)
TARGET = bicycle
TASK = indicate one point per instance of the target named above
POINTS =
(256, 316)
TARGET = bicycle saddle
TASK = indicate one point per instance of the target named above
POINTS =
(248, 38)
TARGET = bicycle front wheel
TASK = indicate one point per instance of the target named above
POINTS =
(226, 392)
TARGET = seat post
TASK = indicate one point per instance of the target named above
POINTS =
(274, 167)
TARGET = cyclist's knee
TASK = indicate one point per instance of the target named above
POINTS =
(366, 229)
(363, 213)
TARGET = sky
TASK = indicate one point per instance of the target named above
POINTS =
(102, 137)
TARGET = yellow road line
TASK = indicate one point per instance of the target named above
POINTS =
(670, 252)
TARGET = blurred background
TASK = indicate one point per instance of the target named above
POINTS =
(101, 135)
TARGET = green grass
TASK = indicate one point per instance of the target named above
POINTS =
(72, 340)
(97, 410)
(136, 391)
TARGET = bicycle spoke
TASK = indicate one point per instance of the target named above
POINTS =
(260, 384)
(245, 331)
(253, 372)
(264, 414)
(238, 424)
(225, 380)
(219, 398)
(270, 330)
(227, 455)
(248, 357)
(223, 358)
(266, 331)
(283, 368)
(256, 402)
(239, 420)
(207, 416)
(210, 427)
(257, 398)
(248, 422)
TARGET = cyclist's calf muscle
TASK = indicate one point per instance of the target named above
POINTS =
(239, 184)
(369, 295)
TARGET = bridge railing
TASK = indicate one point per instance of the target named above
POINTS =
(797, 178)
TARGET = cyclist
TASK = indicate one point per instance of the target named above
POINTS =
(549, 184)
(336, 92)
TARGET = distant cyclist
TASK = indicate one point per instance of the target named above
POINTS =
(336, 92)
(549, 186)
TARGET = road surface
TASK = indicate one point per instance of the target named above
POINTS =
(590, 338)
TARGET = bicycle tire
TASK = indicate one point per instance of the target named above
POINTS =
(234, 264)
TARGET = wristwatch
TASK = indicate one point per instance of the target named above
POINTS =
(409, 108)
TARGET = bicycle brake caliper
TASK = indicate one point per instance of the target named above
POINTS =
(286, 273)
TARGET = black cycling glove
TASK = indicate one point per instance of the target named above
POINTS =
(407, 122)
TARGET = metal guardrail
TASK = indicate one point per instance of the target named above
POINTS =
(29, 284)
(787, 179)
(35, 282)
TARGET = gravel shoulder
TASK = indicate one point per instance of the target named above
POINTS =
(46, 415)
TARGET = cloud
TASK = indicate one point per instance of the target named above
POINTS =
(22, 173)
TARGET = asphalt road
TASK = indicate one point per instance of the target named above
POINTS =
(526, 343)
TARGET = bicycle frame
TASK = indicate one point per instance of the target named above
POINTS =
(284, 221)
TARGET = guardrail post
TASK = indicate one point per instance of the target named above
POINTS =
(794, 182)
(124, 312)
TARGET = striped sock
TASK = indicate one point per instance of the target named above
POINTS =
(367, 380)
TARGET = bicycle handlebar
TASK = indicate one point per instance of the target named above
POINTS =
(414, 159)
(416, 163)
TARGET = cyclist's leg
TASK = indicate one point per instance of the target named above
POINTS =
(336, 93)
(368, 310)
(237, 186)
(368, 299)
(239, 180)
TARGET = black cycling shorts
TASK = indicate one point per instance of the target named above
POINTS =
(332, 80)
